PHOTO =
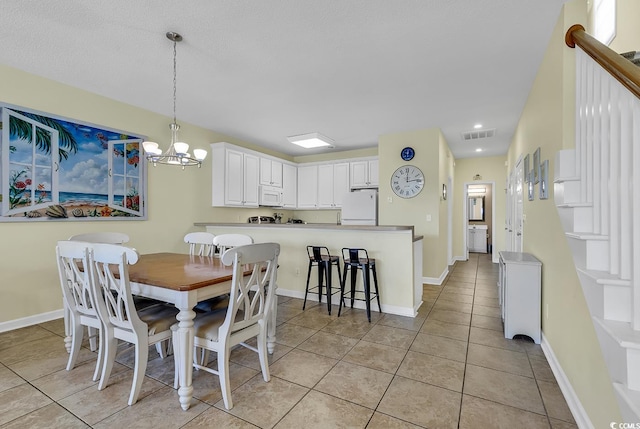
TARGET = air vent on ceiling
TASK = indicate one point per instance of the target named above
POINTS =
(478, 134)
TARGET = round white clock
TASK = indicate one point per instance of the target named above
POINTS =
(407, 181)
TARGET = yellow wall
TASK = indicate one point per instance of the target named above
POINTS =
(548, 122)
(491, 169)
(394, 210)
(177, 198)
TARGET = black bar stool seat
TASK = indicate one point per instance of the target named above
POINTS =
(358, 259)
(320, 257)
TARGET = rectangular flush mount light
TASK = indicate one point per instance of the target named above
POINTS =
(311, 140)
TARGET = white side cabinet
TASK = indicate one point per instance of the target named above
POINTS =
(519, 292)
(477, 239)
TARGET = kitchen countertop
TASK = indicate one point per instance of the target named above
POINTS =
(331, 226)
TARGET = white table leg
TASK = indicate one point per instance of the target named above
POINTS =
(271, 326)
(185, 355)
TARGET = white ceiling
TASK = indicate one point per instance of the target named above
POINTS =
(262, 70)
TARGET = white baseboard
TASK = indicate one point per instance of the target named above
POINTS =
(10, 325)
(578, 411)
(457, 258)
(390, 309)
(436, 281)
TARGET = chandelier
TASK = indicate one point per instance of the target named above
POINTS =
(178, 152)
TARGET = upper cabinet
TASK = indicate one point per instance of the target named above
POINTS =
(364, 174)
(270, 172)
(307, 186)
(234, 177)
(289, 186)
(333, 183)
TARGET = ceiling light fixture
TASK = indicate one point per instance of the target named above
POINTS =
(477, 126)
(178, 152)
(311, 140)
(477, 190)
(479, 150)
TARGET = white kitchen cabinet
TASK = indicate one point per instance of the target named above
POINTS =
(271, 172)
(477, 239)
(519, 292)
(289, 186)
(308, 186)
(364, 174)
(333, 183)
(234, 177)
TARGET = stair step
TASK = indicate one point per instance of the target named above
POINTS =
(608, 296)
(567, 192)
(565, 166)
(629, 401)
(590, 251)
(620, 345)
(576, 217)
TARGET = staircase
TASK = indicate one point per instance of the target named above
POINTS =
(597, 194)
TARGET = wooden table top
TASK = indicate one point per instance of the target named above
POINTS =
(178, 271)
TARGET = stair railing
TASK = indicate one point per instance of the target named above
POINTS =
(608, 152)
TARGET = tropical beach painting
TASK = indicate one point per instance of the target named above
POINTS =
(54, 168)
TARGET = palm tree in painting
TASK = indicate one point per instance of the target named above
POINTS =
(23, 130)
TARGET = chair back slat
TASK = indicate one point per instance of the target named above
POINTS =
(225, 242)
(111, 288)
(251, 295)
(200, 243)
(72, 257)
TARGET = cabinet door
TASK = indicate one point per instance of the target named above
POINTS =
(289, 185)
(373, 173)
(359, 174)
(340, 183)
(276, 174)
(251, 172)
(234, 178)
(308, 186)
(325, 186)
(265, 171)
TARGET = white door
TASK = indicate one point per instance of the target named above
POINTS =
(289, 185)
(234, 178)
(308, 186)
(251, 178)
(340, 182)
(325, 186)
(508, 219)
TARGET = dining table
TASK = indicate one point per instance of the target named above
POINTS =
(184, 280)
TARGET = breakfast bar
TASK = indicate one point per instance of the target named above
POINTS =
(395, 248)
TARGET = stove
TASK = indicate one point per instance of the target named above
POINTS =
(262, 219)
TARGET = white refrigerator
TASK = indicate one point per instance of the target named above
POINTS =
(360, 207)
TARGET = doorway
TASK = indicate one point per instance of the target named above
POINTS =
(479, 218)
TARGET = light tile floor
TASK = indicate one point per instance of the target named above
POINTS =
(450, 367)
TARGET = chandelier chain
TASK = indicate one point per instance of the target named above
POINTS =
(174, 80)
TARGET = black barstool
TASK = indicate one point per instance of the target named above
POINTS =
(354, 260)
(320, 257)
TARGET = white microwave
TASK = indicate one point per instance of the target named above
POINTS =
(270, 196)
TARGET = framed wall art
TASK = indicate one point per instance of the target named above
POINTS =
(55, 168)
(526, 169)
(544, 180)
(536, 165)
(530, 185)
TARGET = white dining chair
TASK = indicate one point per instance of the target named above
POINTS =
(200, 243)
(120, 319)
(246, 317)
(225, 242)
(72, 257)
(101, 237)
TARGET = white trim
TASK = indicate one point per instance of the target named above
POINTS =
(436, 281)
(575, 406)
(23, 322)
(457, 258)
(390, 309)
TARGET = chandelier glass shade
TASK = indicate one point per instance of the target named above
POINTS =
(177, 152)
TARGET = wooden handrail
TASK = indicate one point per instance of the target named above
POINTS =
(620, 68)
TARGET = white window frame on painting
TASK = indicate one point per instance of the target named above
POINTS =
(604, 20)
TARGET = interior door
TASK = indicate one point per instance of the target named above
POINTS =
(508, 219)
(518, 207)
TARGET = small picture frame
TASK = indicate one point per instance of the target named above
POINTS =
(544, 180)
(527, 178)
(530, 185)
(536, 165)
(444, 191)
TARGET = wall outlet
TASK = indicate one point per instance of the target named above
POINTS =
(389, 199)
(428, 218)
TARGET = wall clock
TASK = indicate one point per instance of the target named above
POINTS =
(407, 153)
(407, 181)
